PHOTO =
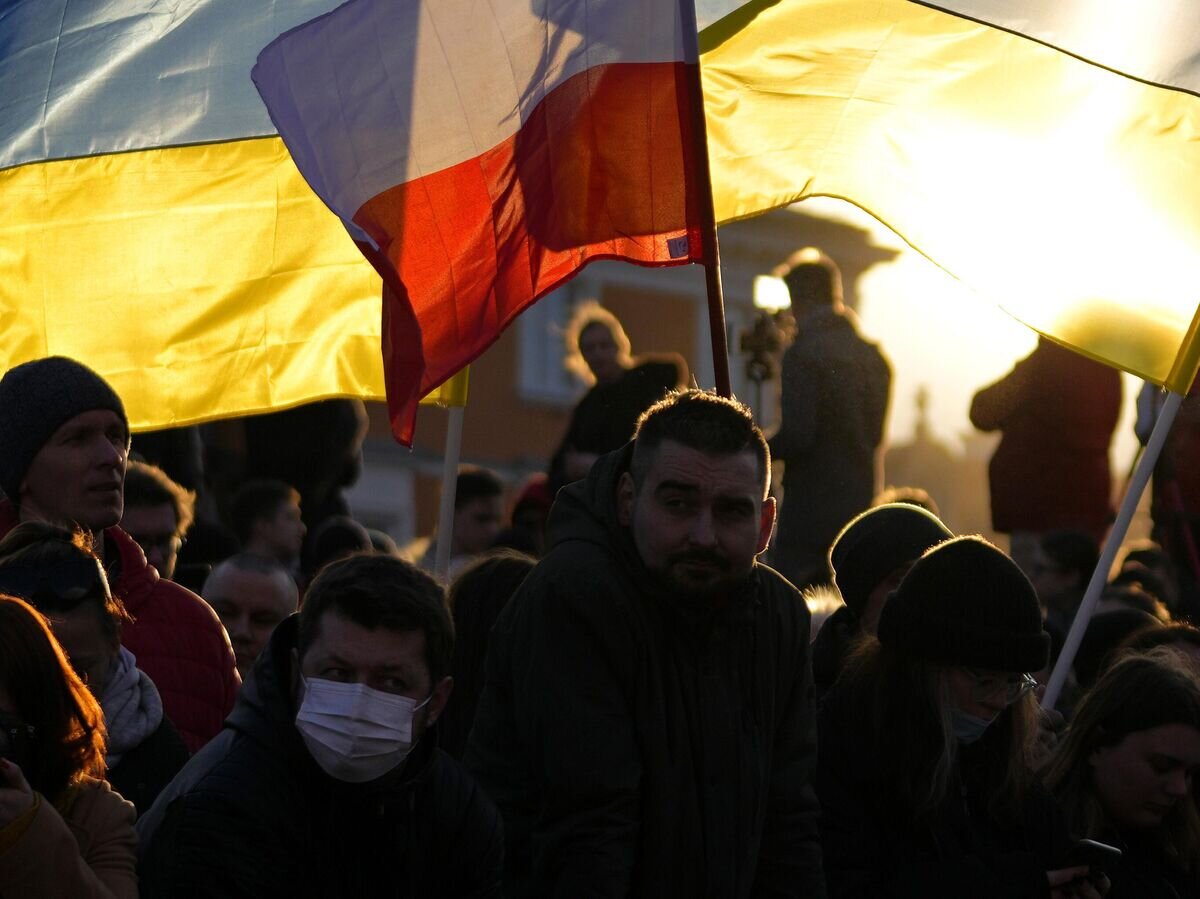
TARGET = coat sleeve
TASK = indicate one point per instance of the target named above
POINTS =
(46, 861)
(571, 704)
(789, 862)
(799, 398)
(992, 406)
(202, 848)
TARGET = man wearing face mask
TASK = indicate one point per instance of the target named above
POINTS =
(646, 725)
(327, 780)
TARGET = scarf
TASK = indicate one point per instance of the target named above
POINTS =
(132, 707)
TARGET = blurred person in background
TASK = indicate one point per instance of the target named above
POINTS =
(251, 594)
(63, 831)
(266, 519)
(158, 513)
(478, 518)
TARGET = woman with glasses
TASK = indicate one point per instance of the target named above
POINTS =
(926, 742)
(1124, 774)
(55, 571)
(63, 831)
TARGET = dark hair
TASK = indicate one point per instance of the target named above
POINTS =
(1138, 693)
(812, 278)
(257, 500)
(73, 575)
(1141, 578)
(474, 483)
(700, 420)
(335, 538)
(1141, 641)
(912, 496)
(149, 485)
(377, 591)
(1104, 634)
(68, 725)
(476, 598)
(1072, 551)
(906, 702)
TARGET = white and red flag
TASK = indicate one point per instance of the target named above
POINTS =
(483, 152)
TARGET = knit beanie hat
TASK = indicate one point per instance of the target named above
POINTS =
(876, 543)
(36, 399)
(966, 603)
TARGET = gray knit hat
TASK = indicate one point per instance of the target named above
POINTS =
(966, 603)
(876, 543)
(36, 399)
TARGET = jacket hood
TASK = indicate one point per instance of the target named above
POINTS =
(587, 510)
(266, 711)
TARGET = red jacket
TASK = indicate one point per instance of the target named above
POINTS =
(177, 639)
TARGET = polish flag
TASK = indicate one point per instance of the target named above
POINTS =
(483, 151)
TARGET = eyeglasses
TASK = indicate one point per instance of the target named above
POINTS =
(988, 686)
(71, 580)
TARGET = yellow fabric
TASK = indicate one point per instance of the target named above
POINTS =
(1063, 191)
(202, 282)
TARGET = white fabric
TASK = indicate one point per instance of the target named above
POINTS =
(132, 707)
(1156, 40)
(378, 93)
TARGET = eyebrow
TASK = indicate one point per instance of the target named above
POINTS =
(679, 486)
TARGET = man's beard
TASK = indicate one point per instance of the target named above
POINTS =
(700, 575)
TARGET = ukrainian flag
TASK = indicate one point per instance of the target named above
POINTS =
(155, 227)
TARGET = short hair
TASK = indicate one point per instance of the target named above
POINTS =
(589, 314)
(56, 550)
(703, 421)
(336, 537)
(812, 278)
(911, 496)
(68, 725)
(259, 564)
(149, 485)
(1075, 551)
(475, 482)
(256, 500)
(377, 591)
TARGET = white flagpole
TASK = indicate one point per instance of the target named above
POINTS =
(445, 525)
(1133, 494)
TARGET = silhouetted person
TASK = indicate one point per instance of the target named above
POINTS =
(1056, 411)
(834, 401)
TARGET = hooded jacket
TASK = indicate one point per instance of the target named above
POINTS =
(177, 639)
(252, 815)
(639, 746)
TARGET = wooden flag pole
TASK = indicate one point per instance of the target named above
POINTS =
(704, 195)
(1116, 536)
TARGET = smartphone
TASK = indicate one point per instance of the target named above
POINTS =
(1093, 854)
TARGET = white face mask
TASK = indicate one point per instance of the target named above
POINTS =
(355, 733)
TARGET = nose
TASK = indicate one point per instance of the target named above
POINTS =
(702, 531)
(110, 454)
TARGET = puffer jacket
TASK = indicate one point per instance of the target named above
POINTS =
(638, 745)
(177, 639)
(252, 815)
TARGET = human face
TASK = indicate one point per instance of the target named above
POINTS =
(477, 524)
(90, 653)
(1143, 777)
(250, 604)
(153, 529)
(78, 476)
(698, 520)
(1053, 583)
(386, 660)
(599, 351)
(282, 534)
(985, 693)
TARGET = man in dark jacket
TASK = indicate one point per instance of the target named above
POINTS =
(647, 721)
(833, 402)
(64, 446)
(327, 780)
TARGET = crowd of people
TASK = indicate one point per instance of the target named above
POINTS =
(613, 694)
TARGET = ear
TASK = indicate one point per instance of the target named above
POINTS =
(625, 499)
(438, 699)
(766, 524)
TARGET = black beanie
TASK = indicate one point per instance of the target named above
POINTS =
(36, 399)
(876, 543)
(966, 603)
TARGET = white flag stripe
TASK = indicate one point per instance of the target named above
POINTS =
(1157, 42)
(462, 76)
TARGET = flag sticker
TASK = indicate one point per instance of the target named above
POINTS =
(678, 247)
